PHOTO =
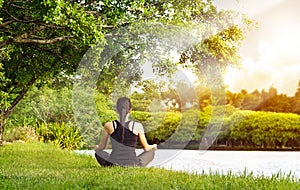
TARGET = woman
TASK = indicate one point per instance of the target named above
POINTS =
(123, 136)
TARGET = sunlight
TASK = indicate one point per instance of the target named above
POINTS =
(271, 53)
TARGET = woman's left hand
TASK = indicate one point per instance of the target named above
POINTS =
(97, 147)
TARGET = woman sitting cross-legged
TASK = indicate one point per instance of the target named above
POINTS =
(123, 136)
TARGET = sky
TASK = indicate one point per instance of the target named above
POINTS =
(271, 53)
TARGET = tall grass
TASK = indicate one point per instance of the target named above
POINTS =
(42, 166)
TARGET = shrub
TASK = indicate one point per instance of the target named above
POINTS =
(50, 105)
(42, 105)
(265, 128)
(60, 134)
(160, 125)
(140, 116)
(140, 105)
(25, 133)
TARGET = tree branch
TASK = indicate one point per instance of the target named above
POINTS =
(2, 44)
(20, 20)
(28, 34)
(40, 41)
(20, 7)
(23, 38)
(19, 97)
(6, 23)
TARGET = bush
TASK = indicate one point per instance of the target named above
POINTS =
(267, 129)
(92, 109)
(140, 116)
(187, 127)
(42, 105)
(104, 108)
(61, 135)
(223, 125)
(160, 125)
(25, 133)
(50, 105)
(140, 105)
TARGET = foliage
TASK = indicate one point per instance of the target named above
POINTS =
(41, 40)
(239, 127)
(296, 100)
(48, 104)
(265, 129)
(60, 134)
(140, 105)
(45, 104)
(24, 133)
(44, 40)
(93, 109)
(3, 83)
(257, 100)
(140, 116)
(228, 125)
(104, 107)
(155, 96)
(160, 126)
(42, 166)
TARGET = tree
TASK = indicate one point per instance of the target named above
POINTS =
(296, 100)
(251, 101)
(43, 40)
(275, 102)
(150, 89)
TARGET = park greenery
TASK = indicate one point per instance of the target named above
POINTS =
(41, 46)
(44, 41)
(46, 115)
(42, 166)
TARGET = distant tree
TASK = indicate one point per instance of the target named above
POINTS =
(251, 102)
(204, 96)
(238, 98)
(275, 102)
(150, 89)
(186, 93)
(295, 105)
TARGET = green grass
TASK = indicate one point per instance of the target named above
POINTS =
(41, 166)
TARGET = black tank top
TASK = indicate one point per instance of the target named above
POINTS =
(123, 145)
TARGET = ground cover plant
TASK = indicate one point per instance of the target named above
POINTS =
(43, 166)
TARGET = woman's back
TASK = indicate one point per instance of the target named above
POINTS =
(123, 142)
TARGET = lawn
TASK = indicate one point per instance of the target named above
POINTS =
(42, 166)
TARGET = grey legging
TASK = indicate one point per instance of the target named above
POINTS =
(144, 158)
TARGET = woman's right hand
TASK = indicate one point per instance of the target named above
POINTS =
(154, 146)
(151, 147)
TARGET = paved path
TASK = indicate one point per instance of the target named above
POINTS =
(196, 161)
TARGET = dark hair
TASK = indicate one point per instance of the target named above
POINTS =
(123, 108)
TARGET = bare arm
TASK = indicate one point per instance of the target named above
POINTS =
(145, 144)
(108, 129)
(103, 141)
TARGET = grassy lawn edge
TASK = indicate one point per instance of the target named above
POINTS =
(42, 166)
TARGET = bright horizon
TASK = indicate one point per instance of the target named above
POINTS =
(271, 53)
